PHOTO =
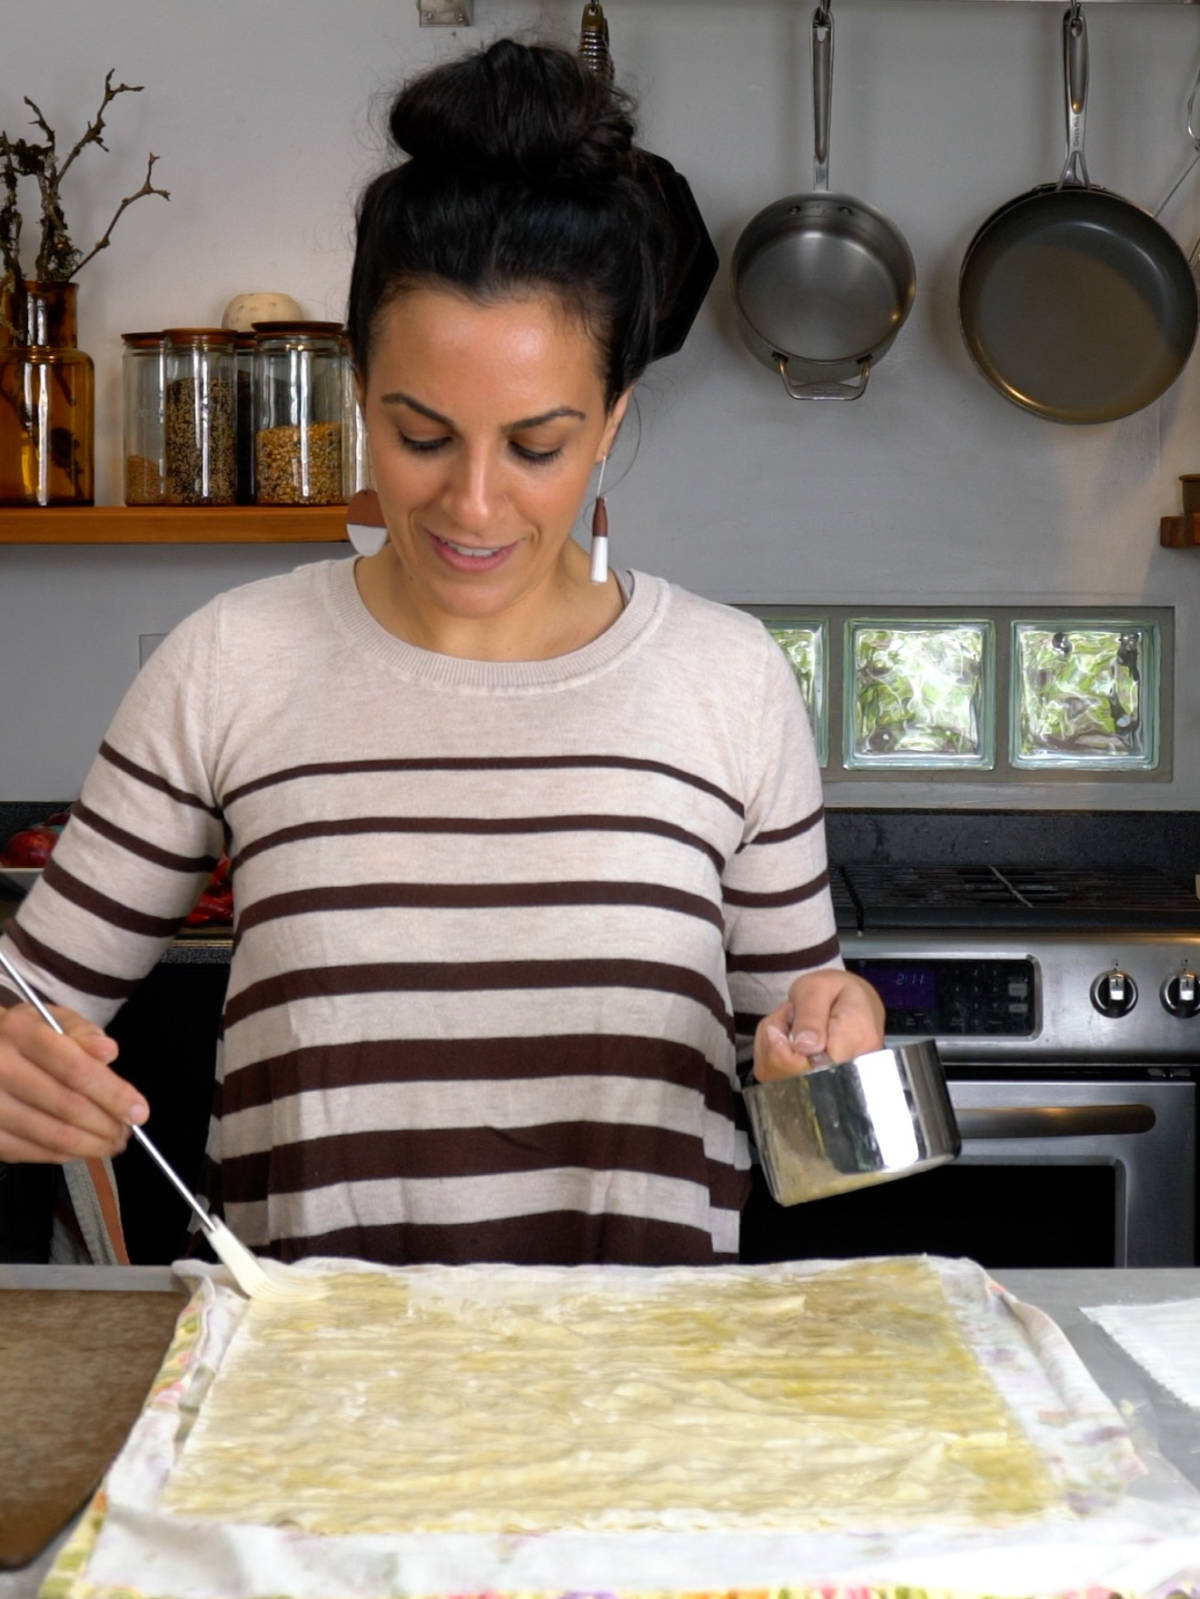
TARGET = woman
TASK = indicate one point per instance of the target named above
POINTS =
(524, 862)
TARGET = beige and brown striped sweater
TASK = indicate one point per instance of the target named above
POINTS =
(502, 929)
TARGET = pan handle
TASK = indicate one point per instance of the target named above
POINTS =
(822, 81)
(1194, 136)
(824, 391)
(1075, 83)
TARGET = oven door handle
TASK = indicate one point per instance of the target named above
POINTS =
(1054, 1121)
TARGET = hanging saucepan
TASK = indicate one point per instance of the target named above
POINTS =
(1075, 304)
(822, 282)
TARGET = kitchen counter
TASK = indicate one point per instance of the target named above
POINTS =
(1164, 1429)
(1155, 1417)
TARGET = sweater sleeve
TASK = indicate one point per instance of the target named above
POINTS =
(778, 913)
(141, 840)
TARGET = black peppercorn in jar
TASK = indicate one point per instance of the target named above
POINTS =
(199, 417)
(143, 385)
(300, 431)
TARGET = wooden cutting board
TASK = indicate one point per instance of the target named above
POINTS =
(75, 1366)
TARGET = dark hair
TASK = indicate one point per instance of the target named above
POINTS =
(522, 173)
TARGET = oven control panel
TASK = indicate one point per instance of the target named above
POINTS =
(949, 996)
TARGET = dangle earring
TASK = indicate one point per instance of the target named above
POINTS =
(600, 531)
(365, 526)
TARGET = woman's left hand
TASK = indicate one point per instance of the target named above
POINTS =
(830, 1012)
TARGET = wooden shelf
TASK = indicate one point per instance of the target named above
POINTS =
(173, 524)
(1179, 532)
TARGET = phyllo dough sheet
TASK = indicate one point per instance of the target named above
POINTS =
(692, 1401)
(433, 1431)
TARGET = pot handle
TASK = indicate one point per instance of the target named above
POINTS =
(822, 81)
(1194, 136)
(824, 391)
(1075, 83)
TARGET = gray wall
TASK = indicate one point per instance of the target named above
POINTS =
(267, 117)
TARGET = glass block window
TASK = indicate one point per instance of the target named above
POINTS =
(805, 643)
(919, 693)
(1085, 694)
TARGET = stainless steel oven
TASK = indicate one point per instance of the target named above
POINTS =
(1067, 1011)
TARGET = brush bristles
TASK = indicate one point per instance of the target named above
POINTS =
(261, 1279)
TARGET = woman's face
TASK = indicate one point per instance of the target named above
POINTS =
(484, 423)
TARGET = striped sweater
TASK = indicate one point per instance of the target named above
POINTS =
(503, 930)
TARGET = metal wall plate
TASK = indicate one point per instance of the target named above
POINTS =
(446, 13)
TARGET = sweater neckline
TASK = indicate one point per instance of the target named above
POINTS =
(645, 602)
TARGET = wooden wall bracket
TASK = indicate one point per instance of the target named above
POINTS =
(1180, 532)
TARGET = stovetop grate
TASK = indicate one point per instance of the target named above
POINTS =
(875, 896)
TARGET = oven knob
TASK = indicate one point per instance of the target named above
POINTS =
(1181, 994)
(1114, 993)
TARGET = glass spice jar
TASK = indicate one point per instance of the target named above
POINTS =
(357, 471)
(243, 404)
(144, 386)
(199, 417)
(300, 427)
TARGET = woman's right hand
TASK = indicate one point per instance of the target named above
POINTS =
(59, 1100)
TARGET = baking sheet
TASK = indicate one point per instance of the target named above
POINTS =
(1101, 1534)
(75, 1367)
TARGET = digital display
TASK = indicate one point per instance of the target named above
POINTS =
(953, 996)
(901, 985)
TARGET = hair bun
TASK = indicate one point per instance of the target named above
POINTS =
(515, 111)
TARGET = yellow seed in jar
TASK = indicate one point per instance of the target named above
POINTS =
(143, 481)
(297, 465)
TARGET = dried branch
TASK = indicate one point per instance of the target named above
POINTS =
(10, 218)
(57, 257)
(146, 188)
(58, 260)
(96, 127)
(39, 121)
(25, 157)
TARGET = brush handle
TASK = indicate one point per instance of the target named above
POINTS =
(173, 1176)
(27, 992)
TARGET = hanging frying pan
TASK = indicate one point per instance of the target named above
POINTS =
(822, 283)
(1075, 304)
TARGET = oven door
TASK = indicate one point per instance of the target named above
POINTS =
(1057, 1170)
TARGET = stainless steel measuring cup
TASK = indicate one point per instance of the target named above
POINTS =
(847, 1124)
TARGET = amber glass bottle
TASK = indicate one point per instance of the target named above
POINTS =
(47, 403)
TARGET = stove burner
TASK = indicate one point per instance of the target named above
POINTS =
(869, 897)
